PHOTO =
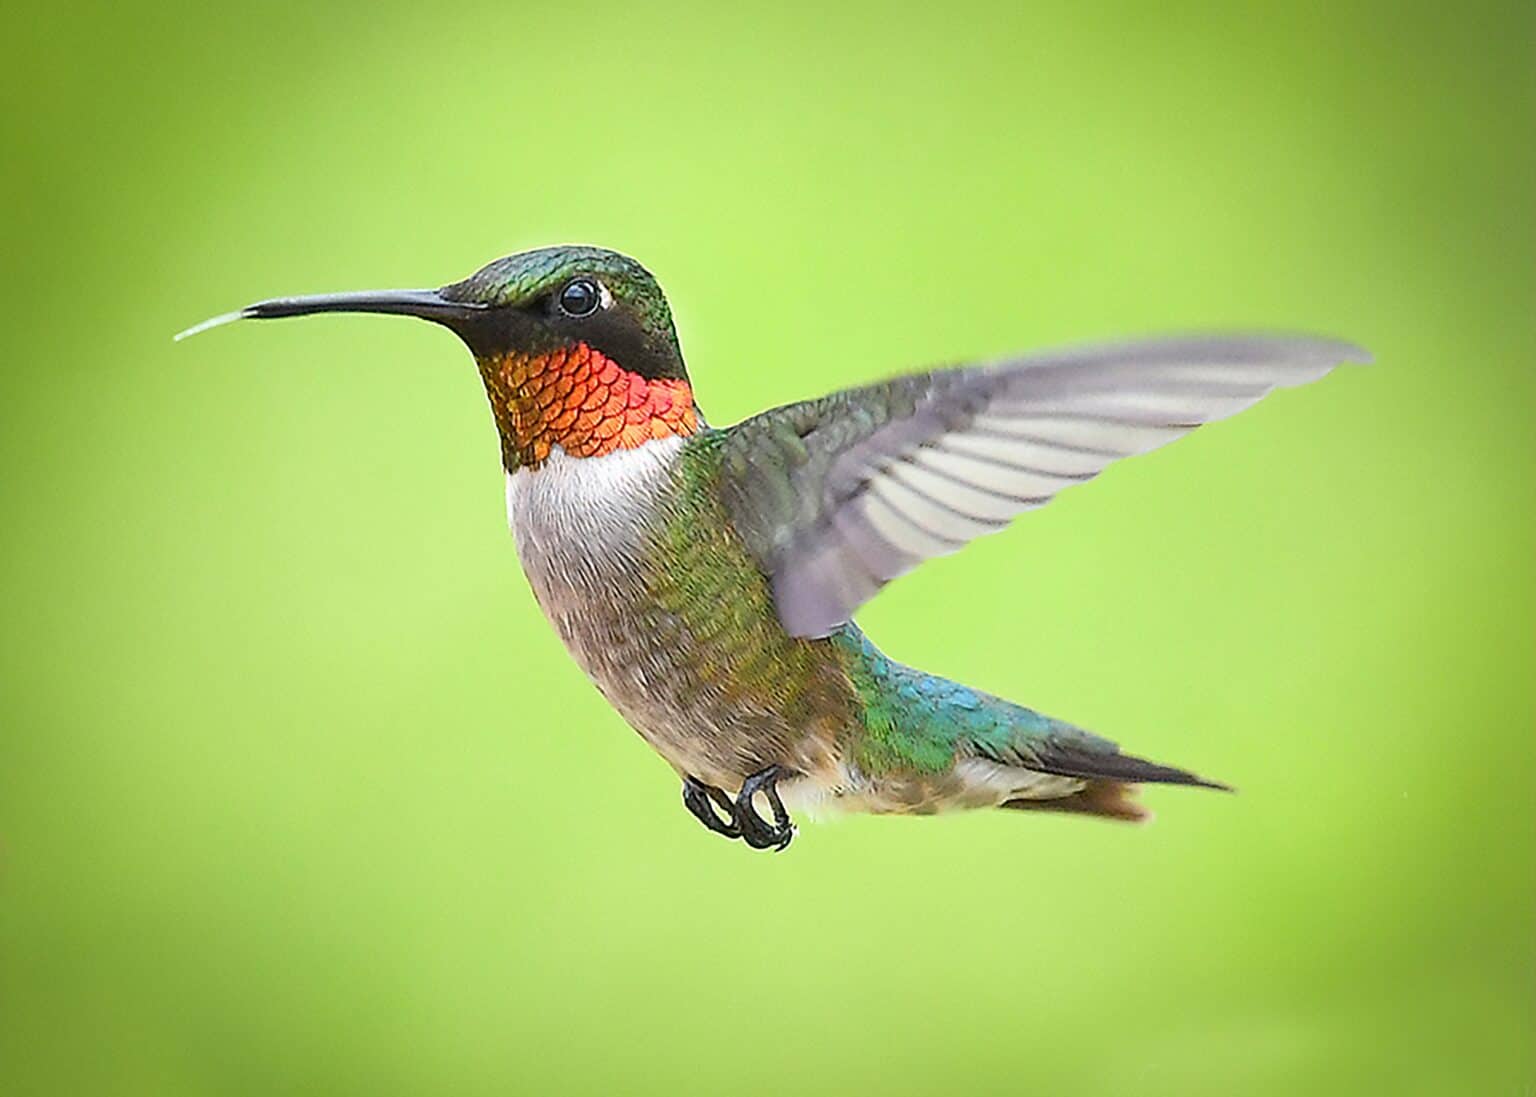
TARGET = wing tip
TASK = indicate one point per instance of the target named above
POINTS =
(1321, 350)
(1359, 355)
(1343, 351)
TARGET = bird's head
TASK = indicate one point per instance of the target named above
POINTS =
(575, 344)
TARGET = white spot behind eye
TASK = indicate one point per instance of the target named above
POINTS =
(604, 298)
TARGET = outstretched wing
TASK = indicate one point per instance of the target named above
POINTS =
(837, 496)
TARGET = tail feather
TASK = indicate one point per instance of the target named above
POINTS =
(1112, 779)
(1069, 760)
(921, 715)
(1107, 799)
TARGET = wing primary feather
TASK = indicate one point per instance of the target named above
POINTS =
(1048, 443)
(992, 524)
(1120, 416)
(880, 559)
(1024, 502)
(987, 506)
(1023, 487)
(1075, 477)
(836, 496)
(874, 503)
(937, 518)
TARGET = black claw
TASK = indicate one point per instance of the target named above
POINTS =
(697, 797)
(756, 831)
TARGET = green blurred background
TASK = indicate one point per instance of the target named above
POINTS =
(299, 793)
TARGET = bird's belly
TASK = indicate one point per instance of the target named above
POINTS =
(581, 532)
(586, 532)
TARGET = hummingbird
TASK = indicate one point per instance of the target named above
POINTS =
(706, 578)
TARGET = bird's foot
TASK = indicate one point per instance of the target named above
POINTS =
(756, 831)
(738, 818)
(701, 799)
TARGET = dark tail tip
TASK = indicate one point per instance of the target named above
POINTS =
(1067, 761)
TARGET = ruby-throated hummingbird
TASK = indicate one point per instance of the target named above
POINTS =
(705, 578)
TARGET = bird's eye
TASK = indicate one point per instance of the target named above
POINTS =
(580, 298)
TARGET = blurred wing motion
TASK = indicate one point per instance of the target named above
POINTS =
(837, 496)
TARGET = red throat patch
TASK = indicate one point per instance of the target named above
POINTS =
(582, 401)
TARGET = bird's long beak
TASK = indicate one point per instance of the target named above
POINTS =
(427, 304)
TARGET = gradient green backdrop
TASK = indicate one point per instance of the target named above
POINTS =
(298, 792)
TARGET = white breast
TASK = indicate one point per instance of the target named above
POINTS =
(583, 527)
(581, 514)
